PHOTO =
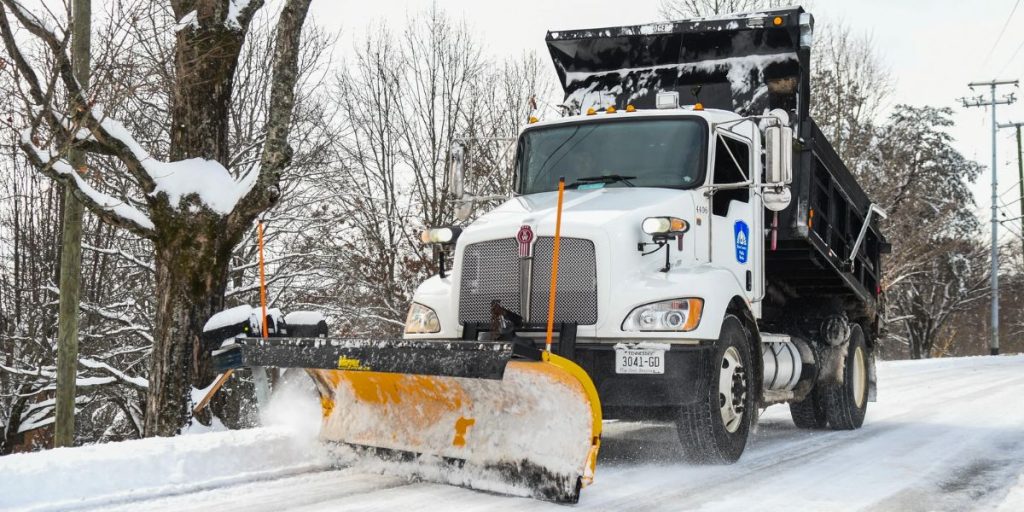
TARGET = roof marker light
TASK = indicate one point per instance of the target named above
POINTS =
(630, 108)
(667, 99)
(591, 111)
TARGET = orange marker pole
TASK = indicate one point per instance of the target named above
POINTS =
(554, 265)
(263, 281)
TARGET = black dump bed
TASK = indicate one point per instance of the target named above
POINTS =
(750, 64)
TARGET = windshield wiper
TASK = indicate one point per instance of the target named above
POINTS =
(606, 179)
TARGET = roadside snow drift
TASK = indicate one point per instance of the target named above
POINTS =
(131, 470)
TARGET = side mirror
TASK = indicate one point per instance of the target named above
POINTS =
(778, 155)
(778, 145)
(456, 172)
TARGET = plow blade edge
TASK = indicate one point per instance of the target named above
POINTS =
(494, 416)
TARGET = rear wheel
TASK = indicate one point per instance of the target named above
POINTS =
(847, 402)
(810, 412)
(714, 428)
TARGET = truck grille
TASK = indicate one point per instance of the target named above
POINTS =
(490, 271)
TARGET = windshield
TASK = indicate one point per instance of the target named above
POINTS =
(650, 153)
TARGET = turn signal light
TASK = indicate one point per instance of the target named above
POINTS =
(664, 226)
(777, 21)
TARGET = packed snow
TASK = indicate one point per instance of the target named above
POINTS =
(304, 318)
(946, 434)
(186, 21)
(738, 70)
(232, 316)
(207, 179)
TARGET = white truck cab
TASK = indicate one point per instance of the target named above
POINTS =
(700, 166)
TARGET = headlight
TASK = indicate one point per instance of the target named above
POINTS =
(421, 320)
(680, 315)
(664, 226)
(444, 236)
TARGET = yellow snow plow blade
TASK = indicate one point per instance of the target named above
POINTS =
(534, 431)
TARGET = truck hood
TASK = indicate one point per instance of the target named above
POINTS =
(615, 211)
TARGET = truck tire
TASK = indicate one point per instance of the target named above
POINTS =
(846, 402)
(810, 412)
(714, 429)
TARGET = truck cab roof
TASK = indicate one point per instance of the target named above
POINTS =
(711, 115)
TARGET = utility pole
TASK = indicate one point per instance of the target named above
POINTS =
(71, 249)
(979, 101)
(1020, 171)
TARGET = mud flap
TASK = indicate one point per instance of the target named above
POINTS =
(498, 416)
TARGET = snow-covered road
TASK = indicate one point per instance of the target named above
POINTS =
(945, 435)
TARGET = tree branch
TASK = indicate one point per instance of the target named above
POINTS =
(276, 152)
(112, 210)
(107, 132)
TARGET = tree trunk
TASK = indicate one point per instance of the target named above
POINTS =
(205, 61)
(192, 250)
(191, 276)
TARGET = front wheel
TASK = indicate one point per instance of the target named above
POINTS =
(847, 401)
(714, 429)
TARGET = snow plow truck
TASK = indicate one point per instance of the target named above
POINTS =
(683, 245)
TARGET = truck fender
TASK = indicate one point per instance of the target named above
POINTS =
(738, 307)
(436, 293)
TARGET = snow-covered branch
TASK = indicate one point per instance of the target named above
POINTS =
(113, 210)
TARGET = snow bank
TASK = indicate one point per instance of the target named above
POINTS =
(1014, 501)
(116, 472)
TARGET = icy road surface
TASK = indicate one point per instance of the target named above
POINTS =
(945, 435)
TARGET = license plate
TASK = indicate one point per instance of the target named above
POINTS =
(631, 360)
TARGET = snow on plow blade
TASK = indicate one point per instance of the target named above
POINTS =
(495, 416)
(745, 63)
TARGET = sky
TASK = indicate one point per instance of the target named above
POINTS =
(933, 48)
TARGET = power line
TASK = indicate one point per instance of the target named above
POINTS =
(1000, 36)
(1015, 52)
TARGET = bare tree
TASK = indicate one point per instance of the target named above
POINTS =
(935, 270)
(193, 228)
(849, 90)
(681, 9)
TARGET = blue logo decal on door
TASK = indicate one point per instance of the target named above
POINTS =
(742, 237)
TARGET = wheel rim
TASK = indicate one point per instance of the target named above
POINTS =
(859, 377)
(732, 389)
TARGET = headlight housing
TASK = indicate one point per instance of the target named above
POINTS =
(441, 236)
(675, 315)
(664, 226)
(421, 320)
